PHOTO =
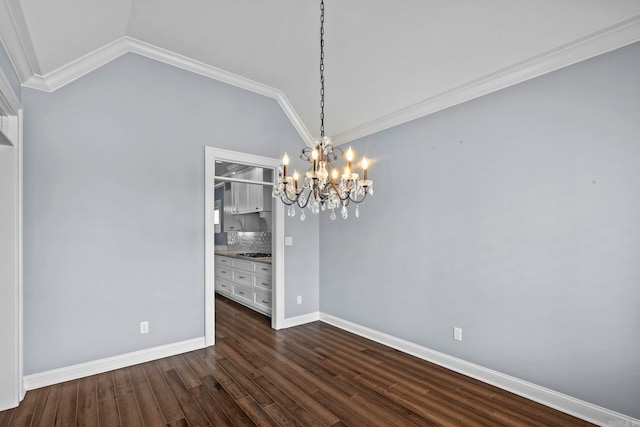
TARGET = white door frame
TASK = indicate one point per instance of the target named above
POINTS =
(212, 154)
(11, 129)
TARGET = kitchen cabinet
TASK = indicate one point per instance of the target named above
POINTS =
(250, 198)
(246, 282)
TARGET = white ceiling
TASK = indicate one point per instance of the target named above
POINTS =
(382, 56)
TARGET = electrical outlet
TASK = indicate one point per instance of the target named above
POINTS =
(288, 241)
(457, 333)
(144, 327)
(299, 300)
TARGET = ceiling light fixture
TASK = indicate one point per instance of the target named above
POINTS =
(319, 190)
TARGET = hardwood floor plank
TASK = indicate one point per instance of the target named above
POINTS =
(42, 399)
(303, 399)
(255, 412)
(50, 408)
(226, 403)
(167, 402)
(108, 413)
(87, 414)
(281, 416)
(208, 404)
(189, 378)
(253, 389)
(23, 414)
(5, 417)
(192, 411)
(67, 404)
(149, 408)
(126, 399)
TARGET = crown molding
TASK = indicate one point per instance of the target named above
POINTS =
(609, 39)
(614, 37)
(16, 39)
(93, 60)
(189, 64)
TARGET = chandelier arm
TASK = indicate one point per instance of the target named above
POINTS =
(306, 201)
(355, 199)
(286, 199)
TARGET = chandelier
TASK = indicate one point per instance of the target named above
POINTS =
(322, 186)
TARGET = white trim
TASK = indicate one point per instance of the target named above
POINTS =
(19, 260)
(55, 376)
(291, 322)
(611, 38)
(70, 72)
(570, 405)
(614, 37)
(77, 68)
(16, 39)
(211, 155)
(209, 253)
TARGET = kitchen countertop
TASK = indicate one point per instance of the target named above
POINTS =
(234, 254)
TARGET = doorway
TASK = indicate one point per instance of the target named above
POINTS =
(215, 156)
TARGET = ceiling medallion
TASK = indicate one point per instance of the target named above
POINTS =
(320, 190)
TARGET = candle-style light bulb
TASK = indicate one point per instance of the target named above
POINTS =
(285, 162)
(295, 178)
(334, 174)
(314, 156)
(365, 165)
(349, 155)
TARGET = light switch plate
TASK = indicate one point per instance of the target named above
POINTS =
(288, 241)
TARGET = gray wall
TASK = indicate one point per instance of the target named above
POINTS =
(516, 217)
(113, 209)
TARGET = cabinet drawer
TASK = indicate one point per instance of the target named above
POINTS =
(223, 286)
(263, 300)
(224, 272)
(262, 282)
(243, 277)
(261, 268)
(222, 260)
(240, 264)
(244, 292)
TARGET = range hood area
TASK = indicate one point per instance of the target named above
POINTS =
(245, 207)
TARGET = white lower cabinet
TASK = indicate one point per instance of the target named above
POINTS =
(246, 282)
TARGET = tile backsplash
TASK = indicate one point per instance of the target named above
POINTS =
(240, 241)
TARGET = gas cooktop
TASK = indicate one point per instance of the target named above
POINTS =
(254, 255)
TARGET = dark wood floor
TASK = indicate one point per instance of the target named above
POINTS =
(312, 375)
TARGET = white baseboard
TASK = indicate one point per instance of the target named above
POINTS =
(68, 373)
(570, 405)
(301, 320)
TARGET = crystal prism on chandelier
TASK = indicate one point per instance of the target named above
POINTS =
(323, 187)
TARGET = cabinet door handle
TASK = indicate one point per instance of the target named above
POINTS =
(240, 277)
(223, 271)
(265, 269)
(241, 293)
(265, 302)
(264, 284)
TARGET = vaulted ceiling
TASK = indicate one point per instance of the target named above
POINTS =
(387, 61)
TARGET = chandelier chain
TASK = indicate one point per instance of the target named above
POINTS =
(321, 68)
(322, 187)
